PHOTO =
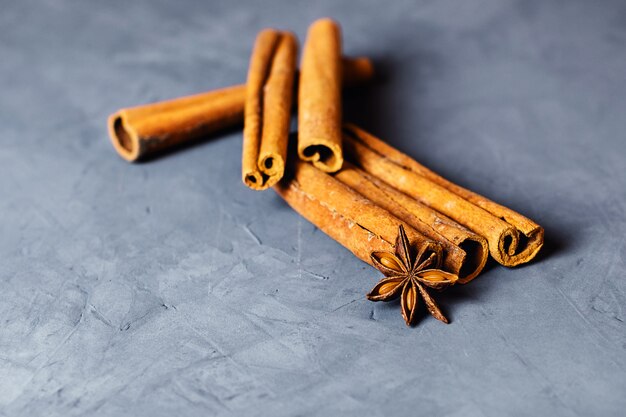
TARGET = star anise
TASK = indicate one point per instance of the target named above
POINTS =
(408, 277)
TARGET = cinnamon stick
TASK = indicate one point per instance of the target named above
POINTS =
(346, 216)
(319, 100)
(142, 131)
(268, 108)
(465, 253)
(513, 239)
(138, 132)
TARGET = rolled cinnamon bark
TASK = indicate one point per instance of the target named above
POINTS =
(465, 253)
(346, 216)
(513, 239)
(141, 131)
(268, 108)
(137, 132)
(319, 99)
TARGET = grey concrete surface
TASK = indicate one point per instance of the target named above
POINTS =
(168, 288)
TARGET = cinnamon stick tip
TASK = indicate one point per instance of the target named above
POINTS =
(270, 171)
(267, 32)
(327, 157)
(254, 180)
(124, 138)
(272, 165)
(477, 252)
(325, 21)
(514, 248)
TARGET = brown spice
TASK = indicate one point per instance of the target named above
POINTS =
(142, 131)
(513, 239)
(465, 252)
(268, 108)
(137, 132)
(407, 276)
(346, 216)
(319, 99)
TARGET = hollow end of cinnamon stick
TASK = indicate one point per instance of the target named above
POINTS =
(124, 138)
(255, 180)
(323, 154)
(271, 169)
(477, 252)
(272, 164)
(517, 248)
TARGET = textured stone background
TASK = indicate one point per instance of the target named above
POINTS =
(168, 288)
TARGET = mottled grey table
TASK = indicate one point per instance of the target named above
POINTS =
(168, 288)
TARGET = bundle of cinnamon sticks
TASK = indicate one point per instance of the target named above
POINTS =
(419, 229)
